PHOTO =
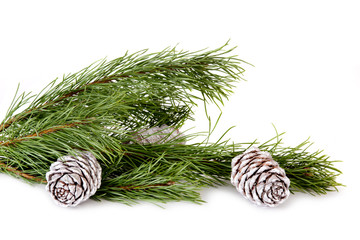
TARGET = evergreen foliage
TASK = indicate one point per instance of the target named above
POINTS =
(100, 108)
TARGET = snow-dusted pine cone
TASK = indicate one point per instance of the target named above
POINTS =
(73, 179)
(259, 178)
(158, 135)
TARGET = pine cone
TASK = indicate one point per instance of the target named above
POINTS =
(157, 135)
(259, 178)
(73, 179)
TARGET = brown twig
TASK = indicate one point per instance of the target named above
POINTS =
(308, 173)
(47, 131)
(20, 173)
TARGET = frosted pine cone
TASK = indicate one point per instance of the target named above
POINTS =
(259, 178)
(73, 179)
(158, 135)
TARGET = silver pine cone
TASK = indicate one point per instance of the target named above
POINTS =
(73, 179)
(259, 178)
(157, 135)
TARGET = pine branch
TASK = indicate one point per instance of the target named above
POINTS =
(309, 172)
(185, 68)
(100, 108)
(196, 166)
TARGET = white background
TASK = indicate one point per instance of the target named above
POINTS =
(306, 81)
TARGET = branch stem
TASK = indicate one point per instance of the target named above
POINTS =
(47, 131)
(20, 173)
